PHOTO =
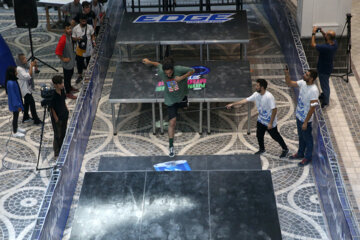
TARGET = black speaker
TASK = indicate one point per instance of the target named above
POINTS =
(25, 13)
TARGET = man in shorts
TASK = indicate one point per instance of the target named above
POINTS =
(175, 92)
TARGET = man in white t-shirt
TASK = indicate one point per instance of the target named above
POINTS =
(307, 102)
(83, 55)
(267, 120)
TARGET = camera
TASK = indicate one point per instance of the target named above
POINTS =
(47, 93)
(318, 29)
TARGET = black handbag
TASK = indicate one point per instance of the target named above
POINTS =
(83, 41)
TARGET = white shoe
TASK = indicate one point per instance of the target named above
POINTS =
(18, 134)
(21, 130)
(6, 6)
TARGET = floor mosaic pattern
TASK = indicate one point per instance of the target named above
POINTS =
(22, 188)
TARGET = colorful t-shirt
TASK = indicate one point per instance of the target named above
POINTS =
(265, 104)
(307, 93)
(174, 91)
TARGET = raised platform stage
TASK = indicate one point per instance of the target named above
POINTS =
(204, 204)
(226, 81)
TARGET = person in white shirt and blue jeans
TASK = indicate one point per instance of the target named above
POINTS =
(307, 102)
(267, 120)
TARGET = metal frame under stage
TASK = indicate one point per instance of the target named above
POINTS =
(184, 28)
(136, 83)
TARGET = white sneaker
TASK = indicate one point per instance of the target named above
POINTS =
(171, 152)
(6, 6)
(21, 130)
(18, 134)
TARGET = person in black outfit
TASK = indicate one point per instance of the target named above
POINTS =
(90, 15)
(59, 113)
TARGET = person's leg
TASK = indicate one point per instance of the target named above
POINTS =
(87, 61)
(56, 145)
(260, 133)
(274, 133)
(26, 108)
(325, 87)
(67, 80)
(33, 109)
(15, 121)
(62, 130)
(172, 112)
(80, 67)
(302, 145)
(309, 142)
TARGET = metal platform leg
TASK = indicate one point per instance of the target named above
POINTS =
(161, 119)
(245, 53)
(207, 52)
(208, 117)
(201, 52)
(153, 117)
(249, 116)
(129, 51)
(113, 118)
(200, 117)
(158, 53)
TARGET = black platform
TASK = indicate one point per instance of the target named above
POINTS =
(200, 163)
(233, 31)
(227, 81)
(177, 205)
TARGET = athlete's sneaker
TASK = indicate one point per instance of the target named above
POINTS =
(295, 156)
(171, 152)
(304, 162)
(284, 153)
(21, 130)
(27, 119)
(18, 134)
(261, 151)
(78, 80)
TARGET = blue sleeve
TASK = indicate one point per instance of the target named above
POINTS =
(14, 96)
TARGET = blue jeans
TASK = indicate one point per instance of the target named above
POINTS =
(325, 87)
(305, 140)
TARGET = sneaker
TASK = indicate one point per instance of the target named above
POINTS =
(69, 95)
(304, 162)
(21, 130)
(37, 121)
(18, 134)
(5, 6)
(74, 90)
(78, 80)
(27, 119)
(171, 152)
(261, 151)
(284, 153)
(295, 156)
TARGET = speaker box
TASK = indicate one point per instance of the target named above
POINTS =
(25, 13)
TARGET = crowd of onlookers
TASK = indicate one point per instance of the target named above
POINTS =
(81, 26)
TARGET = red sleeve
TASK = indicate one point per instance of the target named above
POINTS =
(60, 46)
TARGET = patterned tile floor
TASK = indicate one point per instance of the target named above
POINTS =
(22, 188)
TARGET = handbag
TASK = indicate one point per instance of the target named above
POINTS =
(83, 41)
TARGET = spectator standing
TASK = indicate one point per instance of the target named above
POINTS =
(14, 99)
(83, 32)
(90, 16)
(59, 114)
(24, 74)
(70, 10)
(325, 62)
(99, 11)
(65, 52)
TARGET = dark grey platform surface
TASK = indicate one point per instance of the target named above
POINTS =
(177, 205)
(196, 162)
(232, 31)
(227, 81)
